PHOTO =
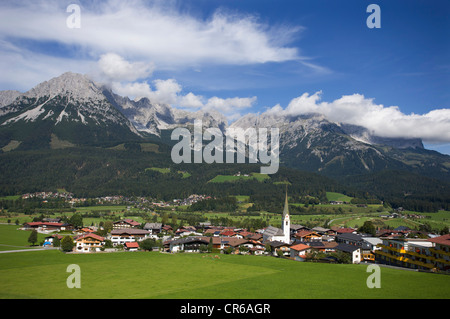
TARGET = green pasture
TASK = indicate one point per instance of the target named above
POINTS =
(231, 178)
(13, 239)
(331, 196)
(153, 275)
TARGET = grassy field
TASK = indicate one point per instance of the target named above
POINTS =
(42, 274)
(338, 197)
(13, 239)
(231, 178)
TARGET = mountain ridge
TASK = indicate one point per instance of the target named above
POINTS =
(78, 111)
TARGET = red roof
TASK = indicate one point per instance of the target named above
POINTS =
(345, 230)
(300, 247)
(441, 240)
(90, 235)
(132, 245)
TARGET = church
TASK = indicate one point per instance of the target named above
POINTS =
(282, 234)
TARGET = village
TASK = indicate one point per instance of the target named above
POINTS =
(400, 247)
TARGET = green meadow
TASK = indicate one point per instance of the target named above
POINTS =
(153, 275)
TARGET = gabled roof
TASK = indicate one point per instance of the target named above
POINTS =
(153, 226)
(350, 236)
(128, 221)
(300, 247)
(347, 248)
(129, 231)
(132, 245)
(273, 231)
(441, 240)
(86, 235)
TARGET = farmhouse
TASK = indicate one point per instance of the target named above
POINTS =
(187, 244)
(125, 223)
(127, 235)
(88, 243)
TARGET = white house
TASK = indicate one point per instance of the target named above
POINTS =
(128, 235)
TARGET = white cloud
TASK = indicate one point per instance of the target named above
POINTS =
(154, 31)
(432, 127)
(116, 68)
(171, 92)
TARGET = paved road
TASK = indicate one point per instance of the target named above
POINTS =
(29, 249)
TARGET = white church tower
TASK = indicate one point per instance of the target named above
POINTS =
(286, 222)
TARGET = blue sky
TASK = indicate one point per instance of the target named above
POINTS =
(241, 56)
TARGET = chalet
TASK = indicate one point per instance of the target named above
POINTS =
(125, 223)
(127, 235)
(299, 251)
(88, 242)
(307, 236)
(187, 244)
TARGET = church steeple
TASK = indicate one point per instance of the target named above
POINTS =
(286, 205)
(286, 222)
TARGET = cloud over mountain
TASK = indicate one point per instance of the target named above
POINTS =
(356, 109)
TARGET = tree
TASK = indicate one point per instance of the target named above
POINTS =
(33, 238)
(147, 244)
(56, 242)
(368, 228)
(108, 226)
(76, 220)
(67, 244)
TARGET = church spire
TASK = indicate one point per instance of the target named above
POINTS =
(286, 205)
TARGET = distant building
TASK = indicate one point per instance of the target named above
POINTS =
(125, 223)
(423, 254)
(282, 234)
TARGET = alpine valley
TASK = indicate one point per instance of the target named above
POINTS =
(72, 133)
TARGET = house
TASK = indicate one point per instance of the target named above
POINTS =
(154, 229)
(88, 242)
(132, 246)
(350, 239)
(345, 230)
(48, 241)
(323, 246)
(46, 227)
(277, 246)
(186, 244)
(307, 235)
(299, 251)
(125, 223)
(352, 250)
(127, 235)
